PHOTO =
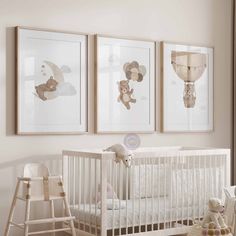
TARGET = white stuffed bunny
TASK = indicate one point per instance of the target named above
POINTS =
(122, 153)
(214, 214)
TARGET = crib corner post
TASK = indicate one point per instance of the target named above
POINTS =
(103, 196)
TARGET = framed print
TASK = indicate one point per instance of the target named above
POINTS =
(187, 87)
(125, 85)
(51, 82)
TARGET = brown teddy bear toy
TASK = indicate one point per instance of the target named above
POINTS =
(125, 93)
(134, 71)
(49, 86)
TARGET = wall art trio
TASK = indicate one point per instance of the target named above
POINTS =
(52, 78)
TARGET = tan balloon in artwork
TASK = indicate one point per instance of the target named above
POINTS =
(134, 71)
(189, 66)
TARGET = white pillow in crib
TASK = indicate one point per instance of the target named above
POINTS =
(116, 205)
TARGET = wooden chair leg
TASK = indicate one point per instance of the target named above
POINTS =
(52, 215)
(68, 213)
(27, 211)
(10, 217)
(72, 228)
(67, 210)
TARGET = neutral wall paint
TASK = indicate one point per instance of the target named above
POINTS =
(200, 22)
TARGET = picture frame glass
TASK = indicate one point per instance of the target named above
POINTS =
(187, 88)
(125, 85)
(51, 82)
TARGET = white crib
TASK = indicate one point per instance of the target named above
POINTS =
(163, 192)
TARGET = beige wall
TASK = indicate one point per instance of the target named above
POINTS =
(201, 22)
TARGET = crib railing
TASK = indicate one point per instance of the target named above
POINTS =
(164, 191)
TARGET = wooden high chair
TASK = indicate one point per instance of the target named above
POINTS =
(38, 185)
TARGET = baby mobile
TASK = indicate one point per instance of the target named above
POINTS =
(135, 72)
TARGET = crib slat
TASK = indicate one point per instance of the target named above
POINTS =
(152, 184)
(84, 192)
(133, 183)
(145, 166)
(210, 177)
(171, 189)
(139, 195)
(194, 186)
(90, 195)
(69, 185)
(127, 189)
(215, 178)
(96, 194)
(159, 193)
(199, 184)
(120, 198)
(188, 184)
(103, 180)
(176, 189)
(164, 163)
(205, 183)
(113, 185)
(225, 173)
(74, 171)
(79, 188)
(220, 175)
(182, 189)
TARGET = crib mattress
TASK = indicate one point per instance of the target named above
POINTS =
(145, 211)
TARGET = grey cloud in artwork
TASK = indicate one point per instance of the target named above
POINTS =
(65, 69)
(66, 89)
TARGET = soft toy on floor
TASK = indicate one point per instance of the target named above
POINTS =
(213, 223)
(122, 153)
(214, 214)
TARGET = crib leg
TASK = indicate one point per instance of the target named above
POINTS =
(52, 215)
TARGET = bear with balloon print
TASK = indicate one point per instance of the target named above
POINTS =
(213, 222)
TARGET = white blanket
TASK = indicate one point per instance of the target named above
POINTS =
(145, 211)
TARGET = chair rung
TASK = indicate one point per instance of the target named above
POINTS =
(49, 231)
(49, 220)
(16, 225)
(21, 198)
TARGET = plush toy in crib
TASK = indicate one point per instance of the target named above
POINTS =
(122, 153)
(213, 222)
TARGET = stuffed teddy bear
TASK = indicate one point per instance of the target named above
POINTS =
(214, 214)
(50, 85)
(125, 93)
(122, 154)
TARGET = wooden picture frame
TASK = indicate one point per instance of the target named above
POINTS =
(52, 82)
(125, 85)
(187, 87)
